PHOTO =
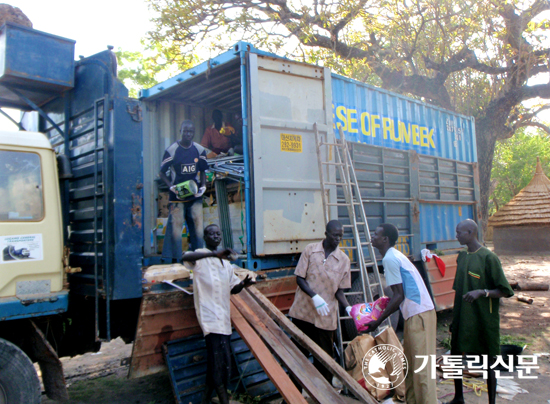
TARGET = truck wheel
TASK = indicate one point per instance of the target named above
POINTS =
(18, 379)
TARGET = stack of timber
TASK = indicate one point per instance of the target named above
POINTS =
(261, 326)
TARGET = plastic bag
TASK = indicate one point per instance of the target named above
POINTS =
(364, 313)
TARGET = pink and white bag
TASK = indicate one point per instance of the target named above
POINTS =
(364, 313)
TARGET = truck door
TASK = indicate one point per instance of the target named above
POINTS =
(286, 99)
(30, 224)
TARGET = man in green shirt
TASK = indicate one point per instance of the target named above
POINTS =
(479, 284)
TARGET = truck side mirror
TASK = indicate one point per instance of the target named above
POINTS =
(64, 169)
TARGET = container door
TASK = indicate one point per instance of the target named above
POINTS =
(286, 99)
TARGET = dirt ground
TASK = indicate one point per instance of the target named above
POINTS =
(100, 378)
(520, 324)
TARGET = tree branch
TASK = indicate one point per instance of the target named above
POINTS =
(531, 115)
(534, 124)
(348, 17)
(461, 60)
(538, 7)
(539, 90)
(536, 70)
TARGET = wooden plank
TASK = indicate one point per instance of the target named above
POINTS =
(301, 368)
(355, 388)
(264, 357)
(163, 317)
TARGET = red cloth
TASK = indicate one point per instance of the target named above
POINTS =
(440, 265)
(427, 256)
(215, 141)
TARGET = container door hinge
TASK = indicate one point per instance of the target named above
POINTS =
(135, 112)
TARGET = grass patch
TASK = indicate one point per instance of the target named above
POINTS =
(518, 340)
(91, 391)
(446, 343)
(246, 398)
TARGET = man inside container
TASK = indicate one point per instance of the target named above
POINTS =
(186, 160)
(218, 137)
(479, 284)
(322, 274)
(412, 297)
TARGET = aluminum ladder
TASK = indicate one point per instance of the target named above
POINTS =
(337, 155)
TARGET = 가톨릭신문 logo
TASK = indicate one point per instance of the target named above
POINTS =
(385, 367)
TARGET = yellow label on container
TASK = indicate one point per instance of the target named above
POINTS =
(403, 245)
(291, 143)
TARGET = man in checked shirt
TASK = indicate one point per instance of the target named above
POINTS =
(322, 274)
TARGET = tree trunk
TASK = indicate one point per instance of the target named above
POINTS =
(486, 137)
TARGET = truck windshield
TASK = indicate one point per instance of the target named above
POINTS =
(21, 196)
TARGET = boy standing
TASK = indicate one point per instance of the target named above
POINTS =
(213, 283)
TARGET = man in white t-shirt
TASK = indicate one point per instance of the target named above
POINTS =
(411, 296)
(214, 281)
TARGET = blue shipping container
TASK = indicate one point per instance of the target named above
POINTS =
(378, 117)
(417, 163)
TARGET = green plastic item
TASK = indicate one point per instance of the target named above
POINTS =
(186, 189)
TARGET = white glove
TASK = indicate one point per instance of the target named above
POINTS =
(202, 190)
(320, 305)
(348, 310)
(173, 188)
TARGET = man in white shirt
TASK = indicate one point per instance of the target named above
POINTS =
(213, 283)
(412, 297)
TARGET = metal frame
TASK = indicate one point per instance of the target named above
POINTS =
(101, 193)
(18, 124)
(37, 109)
(245, 113)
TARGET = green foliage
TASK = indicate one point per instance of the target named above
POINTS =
(454, 44)
(139, 70)
(514, 165)
(136, 71)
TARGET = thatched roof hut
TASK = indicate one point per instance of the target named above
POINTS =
(522, 226)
